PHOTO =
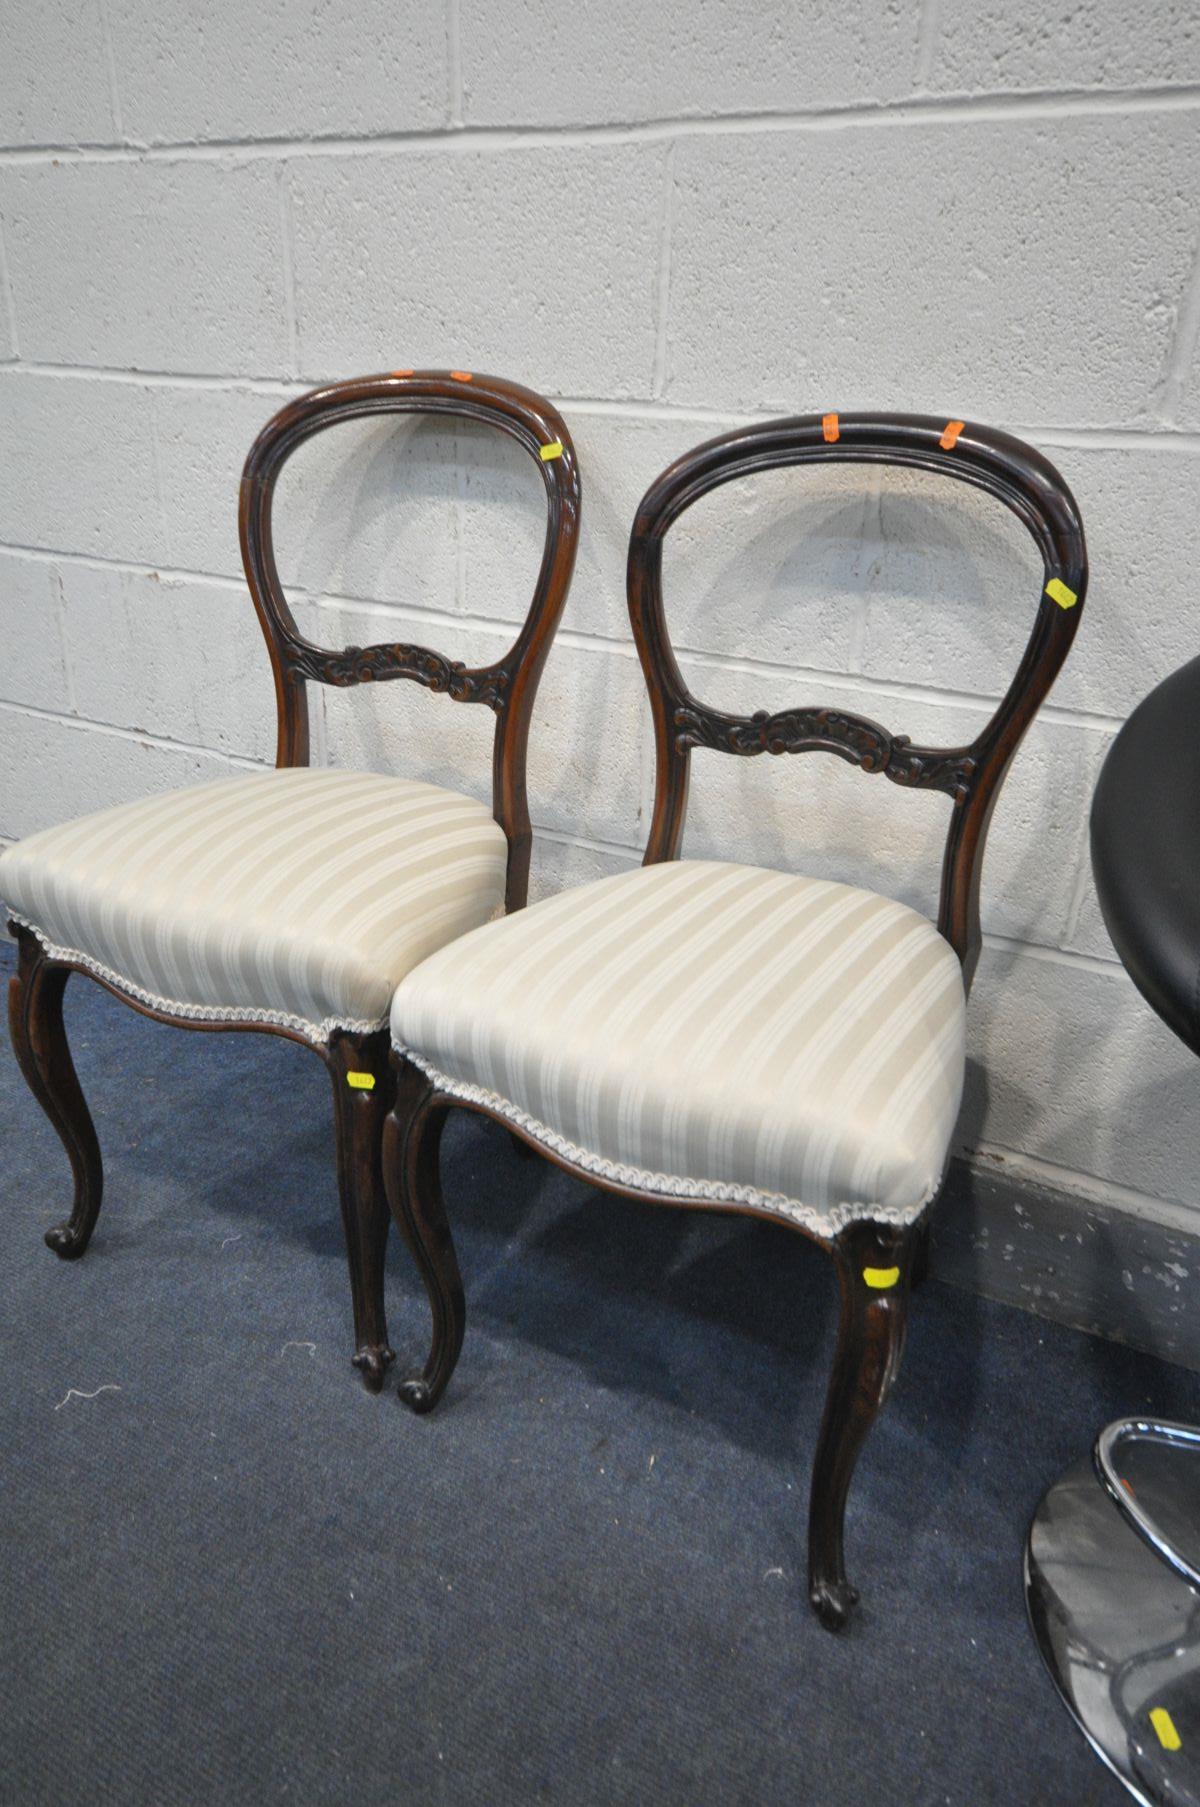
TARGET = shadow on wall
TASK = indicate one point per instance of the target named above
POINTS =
(829, 579)
(370, 510)
(370, 530)
(1082, 1073)
(826, 571)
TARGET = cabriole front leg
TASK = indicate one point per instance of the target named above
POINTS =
(875, 1263)
(411, 1143)
(39, 1038)
(363, 1090)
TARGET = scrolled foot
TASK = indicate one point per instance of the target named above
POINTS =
(373, 1362)
(411, 1137)
(67, 1242)
(418, 1395)
(39, 1038)
(833, 1601)
(362, 1090)
(874, 1271)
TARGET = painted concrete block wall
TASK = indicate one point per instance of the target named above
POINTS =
(671, 219)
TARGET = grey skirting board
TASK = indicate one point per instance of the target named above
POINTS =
(1091, 1265)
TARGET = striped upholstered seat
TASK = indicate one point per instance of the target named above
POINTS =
(291, 897)
(294, 900)
(743, 1040)
(711, 1032)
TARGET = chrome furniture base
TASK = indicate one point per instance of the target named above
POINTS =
(1112, 1586)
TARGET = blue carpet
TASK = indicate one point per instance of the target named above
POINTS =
(232, 1576)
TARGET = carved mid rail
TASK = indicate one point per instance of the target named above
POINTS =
(815, 730)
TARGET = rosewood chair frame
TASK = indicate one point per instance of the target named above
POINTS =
(358, 1063)
(876, 1262)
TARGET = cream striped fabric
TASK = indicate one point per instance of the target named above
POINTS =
(294, 897)
(710, 1031)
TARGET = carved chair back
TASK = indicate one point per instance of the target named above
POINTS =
(510, 684)
(970, 775)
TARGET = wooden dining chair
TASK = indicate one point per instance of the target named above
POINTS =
(292, 901)
(721, 1036)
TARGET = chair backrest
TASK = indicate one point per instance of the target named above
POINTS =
(971, 775)
(510, 684)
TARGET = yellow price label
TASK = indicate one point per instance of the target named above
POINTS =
(1164, 1725)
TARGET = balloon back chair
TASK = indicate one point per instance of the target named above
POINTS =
(292, 901)
(716, 1035)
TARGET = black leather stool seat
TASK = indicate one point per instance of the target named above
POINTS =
(1146, 849)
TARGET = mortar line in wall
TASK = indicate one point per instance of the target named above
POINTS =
(1053, 956)
(659, 409)
(1045, 103)
(320, 599)
(1080, 851)
(361, 605)
(460, 539)
(1083, 869)
(369, 606)
(319, 726)
(858, 613)
(1092, 720)
(110, 59)
(365, 605)
(647, 768)
(288, 266)
(1079, 890)
(650, 410)
(10, 304)
(898, 689)
(454, 75)
(142, 736)
(159, 379)
(647, 764)
(97, 561)
(658, 381)
(60, 612)
(928, 31)
(1112, 439)
(160, 494)
(1181, 348)
(582, 641)
(589, 843)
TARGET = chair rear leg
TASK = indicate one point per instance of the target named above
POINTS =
(39, 1038)
(875, 1263)
(923, 1253)
(363, 1090)
(412, 1139)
